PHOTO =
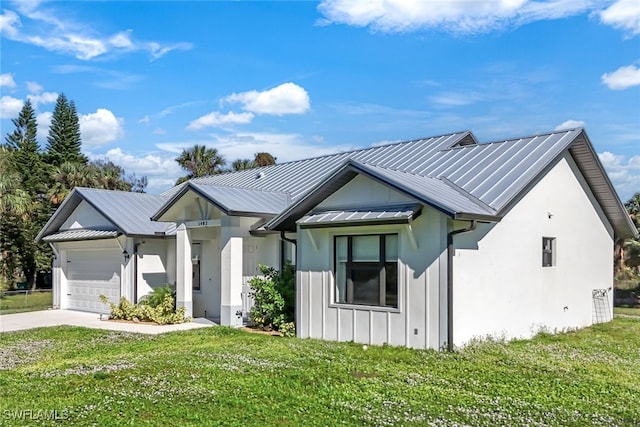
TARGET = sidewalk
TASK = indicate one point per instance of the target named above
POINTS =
(38, 319)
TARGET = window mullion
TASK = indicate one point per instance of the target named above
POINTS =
(349, 275)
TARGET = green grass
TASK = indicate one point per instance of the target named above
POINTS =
(219, 376)
(40, 300)
(627, 311)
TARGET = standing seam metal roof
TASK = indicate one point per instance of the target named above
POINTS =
(129, 212)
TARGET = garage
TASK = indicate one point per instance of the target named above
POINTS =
(91, 273)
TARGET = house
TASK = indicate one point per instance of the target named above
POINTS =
(426, 243)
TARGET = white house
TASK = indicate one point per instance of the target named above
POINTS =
(426, 243)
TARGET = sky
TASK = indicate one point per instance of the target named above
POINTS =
(302, 79)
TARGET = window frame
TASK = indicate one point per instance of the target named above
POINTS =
(548, 255)
(381, 264)
(196, 282)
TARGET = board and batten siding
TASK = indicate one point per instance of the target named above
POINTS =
(500, 286)
(418, 322)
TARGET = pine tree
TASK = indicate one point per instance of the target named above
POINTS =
(27, 159)
(64, 142)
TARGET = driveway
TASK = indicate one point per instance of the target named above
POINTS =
(38, 319)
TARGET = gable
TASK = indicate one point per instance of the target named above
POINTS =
(190, 206)
(364, 191)
(87, 217)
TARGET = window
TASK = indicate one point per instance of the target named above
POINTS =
(195, 266)
(548, 251)
(366, 270)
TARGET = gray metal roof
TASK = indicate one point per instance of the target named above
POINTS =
(81, 234)
(130, 213)
(476, 180)
(297, 177)
(233, 200)
(427, 190)
(360, 215)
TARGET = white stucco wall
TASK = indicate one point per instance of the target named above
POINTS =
(418, 321)
(500, 286)
(153, 264)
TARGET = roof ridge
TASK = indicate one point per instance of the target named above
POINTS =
(357, 150)
(240, 187)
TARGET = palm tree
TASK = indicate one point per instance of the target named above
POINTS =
(243, 164)
(200, 161)
(14, 201)
(69, 175)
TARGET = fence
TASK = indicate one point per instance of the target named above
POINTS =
(27, 300)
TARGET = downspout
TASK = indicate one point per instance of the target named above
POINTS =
(286, 239)
(450, 253)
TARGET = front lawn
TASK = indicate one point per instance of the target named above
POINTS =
(25, 301)
(626, 311)
(219, 376)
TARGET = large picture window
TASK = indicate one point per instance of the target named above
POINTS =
(366, 270)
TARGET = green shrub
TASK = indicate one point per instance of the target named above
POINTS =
(274, 297)
(157, 296)
(287, 329)
(163, 314)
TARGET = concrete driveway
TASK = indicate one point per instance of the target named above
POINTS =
(38, 319)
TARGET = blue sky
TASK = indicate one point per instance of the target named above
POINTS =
(300, 79)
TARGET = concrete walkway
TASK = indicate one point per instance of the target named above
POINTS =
(38, 319)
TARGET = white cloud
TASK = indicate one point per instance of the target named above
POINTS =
(6, 80)
(100, 128)
(453, 16)
(44, 121)
(285, 146)
(623, 15)
(288, 98)
(159, 131)
(623, 78)
(455, 99)
(570, 124)
(161, 170)
(624, 173)
(34, 87)
(42, 27)
(144, 120)
(216, 119)
(42, 98)
(10, 107)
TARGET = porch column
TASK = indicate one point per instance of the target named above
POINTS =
(184, 289)
(230, 273)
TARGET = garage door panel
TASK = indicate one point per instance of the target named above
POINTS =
(91, 274)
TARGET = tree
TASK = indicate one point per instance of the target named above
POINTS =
(27, 159)
(64, 141)
(264, 159)
(200, 161)
(69, 175)
(242, 164)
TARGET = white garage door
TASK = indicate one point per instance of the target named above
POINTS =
(90, 274)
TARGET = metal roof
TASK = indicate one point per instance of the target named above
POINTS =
(296, 178)
(232, 200)
(130, 213)
(452, 173)
(81, 234)
(360, 215)
(427, 190)
(471, 180)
